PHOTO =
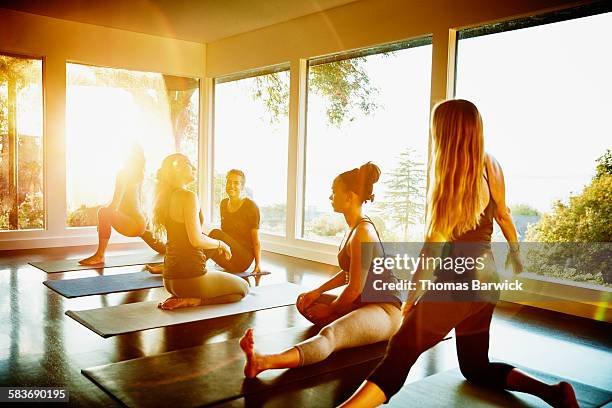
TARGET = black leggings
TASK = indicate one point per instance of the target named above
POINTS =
(425, 326)
(241, 259)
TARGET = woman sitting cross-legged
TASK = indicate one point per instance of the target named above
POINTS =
(239, 227)
(176, 215)
(347, 320)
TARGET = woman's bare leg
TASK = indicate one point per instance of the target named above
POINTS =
(124, 224)
(367, 325)
(256, 363)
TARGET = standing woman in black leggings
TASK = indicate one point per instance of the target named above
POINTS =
(466, 193)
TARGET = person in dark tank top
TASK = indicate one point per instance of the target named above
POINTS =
(239, 227)
(466, 192)
(348, 321)
(124, 213)
(178, 218)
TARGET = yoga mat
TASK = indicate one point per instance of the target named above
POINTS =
(450, 389)
(99, 285)
(67, 265)
(131, 317)
(213, 373)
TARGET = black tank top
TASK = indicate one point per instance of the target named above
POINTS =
(473, 244)
(182, 260)
(368, 292)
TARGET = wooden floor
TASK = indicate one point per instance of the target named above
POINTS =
(41, 346)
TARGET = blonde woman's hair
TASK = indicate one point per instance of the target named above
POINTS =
(165, 184)
(457, 166)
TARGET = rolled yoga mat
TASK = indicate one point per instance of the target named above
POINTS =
(132, 317)
(450, 389)
(67, 265)
(213, 373)
(99, 285)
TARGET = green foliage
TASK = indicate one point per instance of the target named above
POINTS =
(604, 164)
(274, 93)
(586, 218)
(403, 202)
(524, 209)
(31, 212)
(84, 216)
(345, 84)
(328, 225)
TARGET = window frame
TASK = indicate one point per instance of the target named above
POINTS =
(555, 294)
(400, 45)
(44, 147)
(200, 167)
(211, 137)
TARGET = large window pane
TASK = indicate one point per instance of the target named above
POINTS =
(372, 107)
(544, 93)
(21, 144)
(251, 134)
(107, 110)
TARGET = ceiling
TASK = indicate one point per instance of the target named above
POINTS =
(192, 20)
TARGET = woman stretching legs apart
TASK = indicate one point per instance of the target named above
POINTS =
(463, 173)
(124, 213)
(176, 215)
(348, 322)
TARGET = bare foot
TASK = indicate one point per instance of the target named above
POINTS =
(253, 360)
(565, 396)
(95, 259)
(177, 303)
(155, 268)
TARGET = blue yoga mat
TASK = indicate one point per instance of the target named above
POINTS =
(99, 285)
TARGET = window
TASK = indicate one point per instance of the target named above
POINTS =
(543, 86)
(251, 134)
(108, 110)
(370, 105)
(21, 144)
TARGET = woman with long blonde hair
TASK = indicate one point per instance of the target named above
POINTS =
(466, 193)
(177, 217)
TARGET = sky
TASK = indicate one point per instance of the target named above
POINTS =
(544, 95)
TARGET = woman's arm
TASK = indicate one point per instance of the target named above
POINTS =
(502, 213)
(191, 217)
(498, 193)
(256, 249)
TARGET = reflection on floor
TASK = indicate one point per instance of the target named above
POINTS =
(40, 346)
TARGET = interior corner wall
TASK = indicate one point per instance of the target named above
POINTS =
(60, 41)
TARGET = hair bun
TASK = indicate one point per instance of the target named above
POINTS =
(369, 174)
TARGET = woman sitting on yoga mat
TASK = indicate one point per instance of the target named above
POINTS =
(176, 215)
(348, 321)
(239, 226)
(466, 193)
(125, 213)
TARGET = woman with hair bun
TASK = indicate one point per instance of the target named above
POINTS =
(177, 216)
(348, 320)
